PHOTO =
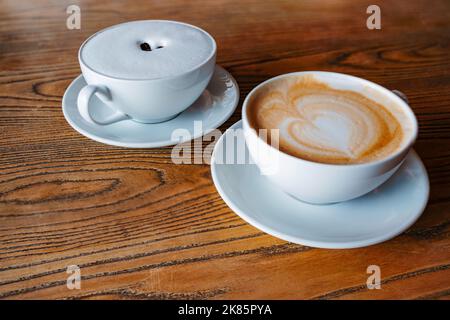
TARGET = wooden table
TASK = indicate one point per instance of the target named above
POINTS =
(141, 227)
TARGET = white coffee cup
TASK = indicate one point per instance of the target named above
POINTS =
(149, 100)
(321, 183)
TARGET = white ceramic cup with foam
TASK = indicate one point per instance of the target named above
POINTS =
(147, 86)
(322, 183)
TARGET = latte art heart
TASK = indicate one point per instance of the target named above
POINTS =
(322, 124)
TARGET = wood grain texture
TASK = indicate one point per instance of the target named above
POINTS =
(141, 227)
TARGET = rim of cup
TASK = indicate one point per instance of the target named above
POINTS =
(213, 51)
(404, 107)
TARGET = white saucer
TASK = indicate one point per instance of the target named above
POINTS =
(216, 104)
(376, 217)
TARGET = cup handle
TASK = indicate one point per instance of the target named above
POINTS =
(83, 105)
(401, 95)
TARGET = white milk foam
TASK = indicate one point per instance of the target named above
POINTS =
(116, 51)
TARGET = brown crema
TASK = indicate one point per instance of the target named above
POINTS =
(326, 125)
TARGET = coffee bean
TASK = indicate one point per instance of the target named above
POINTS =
(145, 46)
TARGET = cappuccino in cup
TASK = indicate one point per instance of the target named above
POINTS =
(340, 136)
(322, 124)
(147, 71)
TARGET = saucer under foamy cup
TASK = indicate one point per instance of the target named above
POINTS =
(148, 71)
(323, 183)
(214, 106)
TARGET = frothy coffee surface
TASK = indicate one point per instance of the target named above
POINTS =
(323, 124)
(147, 49)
